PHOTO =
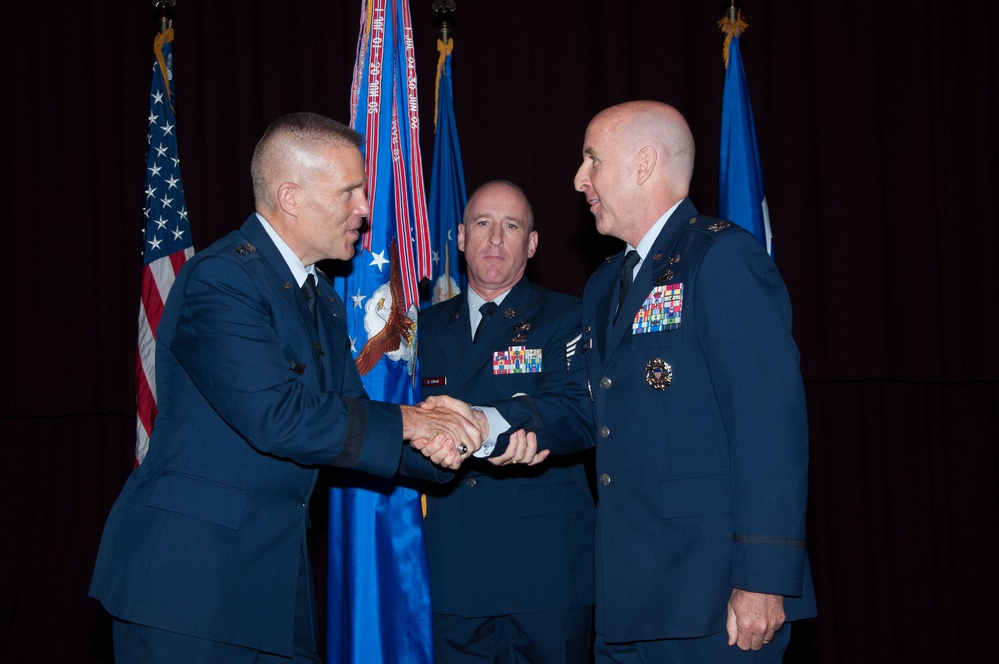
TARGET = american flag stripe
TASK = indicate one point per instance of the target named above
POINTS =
(167, 241)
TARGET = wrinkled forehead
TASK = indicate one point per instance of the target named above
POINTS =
(601, 130)
(499, 201)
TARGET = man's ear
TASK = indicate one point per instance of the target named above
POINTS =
(289, 198)
(461, 237)
(647, 157)
(532, 243)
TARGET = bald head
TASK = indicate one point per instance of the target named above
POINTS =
(497, 237)
(638, 159)
(659, 126)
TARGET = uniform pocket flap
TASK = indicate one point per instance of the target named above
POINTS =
(547, 499)
(695, 496)
(199, 498)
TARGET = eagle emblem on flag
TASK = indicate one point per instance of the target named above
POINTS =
(389, 326)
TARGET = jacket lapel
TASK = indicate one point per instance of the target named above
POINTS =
(279, 273)
(455, 343)
(653, 269)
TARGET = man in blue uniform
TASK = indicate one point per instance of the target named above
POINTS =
(533, 518)
(699, 413)
(203, 557)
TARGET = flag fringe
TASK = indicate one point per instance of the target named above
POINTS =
(732, 30)
(444, 50)
(164, 37)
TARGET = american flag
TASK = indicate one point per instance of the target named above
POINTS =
(166, 234)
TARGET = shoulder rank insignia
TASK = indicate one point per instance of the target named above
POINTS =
(719, 225)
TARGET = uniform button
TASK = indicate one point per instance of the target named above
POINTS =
(605, 432)
(605, 479)
(605, 383)
(470, 482)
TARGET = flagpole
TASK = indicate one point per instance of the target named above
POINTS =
(164, 19)
(166, 228)
(445, 17)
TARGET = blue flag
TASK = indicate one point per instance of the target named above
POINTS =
(447, 196)
(379, 586)
(740, 178)
(166, 233)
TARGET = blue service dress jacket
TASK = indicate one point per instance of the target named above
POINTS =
(702, 439)
(208, 533)
(490, 520)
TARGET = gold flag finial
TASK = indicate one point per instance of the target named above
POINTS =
(162, 6)
(733, 25)
(445, 17)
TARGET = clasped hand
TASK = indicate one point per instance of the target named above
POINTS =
(443, 435)
(522, 448)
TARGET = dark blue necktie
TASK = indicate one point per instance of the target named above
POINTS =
(309, 288)
(486, 310)
(311, 293)
(627, 275)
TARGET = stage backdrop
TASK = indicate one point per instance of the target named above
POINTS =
(880, 157)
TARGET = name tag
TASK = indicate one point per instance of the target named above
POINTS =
(517, 360)
(660, 311)
(435, 381)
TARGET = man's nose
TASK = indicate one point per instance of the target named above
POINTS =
(496, 235)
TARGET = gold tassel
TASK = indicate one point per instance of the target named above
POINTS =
(444, 50)
(731, 30)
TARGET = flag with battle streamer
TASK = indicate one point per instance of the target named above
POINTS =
(378, 581)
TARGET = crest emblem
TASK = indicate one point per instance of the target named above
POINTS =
(658, 374)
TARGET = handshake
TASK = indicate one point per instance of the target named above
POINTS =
(447, 431)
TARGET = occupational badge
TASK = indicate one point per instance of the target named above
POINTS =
(658, 374)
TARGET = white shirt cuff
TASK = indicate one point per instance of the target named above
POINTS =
(497, 426)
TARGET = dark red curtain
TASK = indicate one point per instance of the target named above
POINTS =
(877, 128)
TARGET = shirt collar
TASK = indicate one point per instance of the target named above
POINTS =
(298, 270)
(645, 245)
